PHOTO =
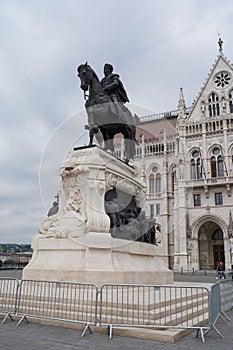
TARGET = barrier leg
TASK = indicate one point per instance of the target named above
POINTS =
(202, 335)
(216, 330)
(201, 330)
(110, 331)
(207, 331)
(5, 318)
(225, 315)
(22, 318)
(87, 327)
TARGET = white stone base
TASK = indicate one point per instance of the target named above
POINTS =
(97, 258)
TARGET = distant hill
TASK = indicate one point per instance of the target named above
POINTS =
(15, 248)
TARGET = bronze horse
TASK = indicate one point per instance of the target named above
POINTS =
(109, 117)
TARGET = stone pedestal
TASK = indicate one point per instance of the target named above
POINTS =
(112, 261)
(75, 244)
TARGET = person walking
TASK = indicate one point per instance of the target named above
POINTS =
(220, 270)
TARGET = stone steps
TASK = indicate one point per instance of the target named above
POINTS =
(158, 309)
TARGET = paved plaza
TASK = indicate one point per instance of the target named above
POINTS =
(35, 336)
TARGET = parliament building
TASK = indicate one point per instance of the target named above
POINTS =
(186, 157)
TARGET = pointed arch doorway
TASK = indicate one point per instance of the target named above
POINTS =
(211, 245)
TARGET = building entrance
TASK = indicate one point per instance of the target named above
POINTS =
(211, 246)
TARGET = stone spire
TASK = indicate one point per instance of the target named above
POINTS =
(181, 105)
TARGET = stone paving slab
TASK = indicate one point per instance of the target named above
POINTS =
(34, 336)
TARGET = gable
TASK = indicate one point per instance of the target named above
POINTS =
(215, 91)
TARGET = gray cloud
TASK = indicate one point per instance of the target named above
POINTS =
(156, 47)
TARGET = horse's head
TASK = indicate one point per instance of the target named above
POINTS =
(85, 73)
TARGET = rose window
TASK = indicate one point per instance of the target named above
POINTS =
(222, 79)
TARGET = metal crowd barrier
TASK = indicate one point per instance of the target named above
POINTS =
(120, 305)
(64, 301)
(154, 307)
(221, 301)
(226, 295)
(8, 296)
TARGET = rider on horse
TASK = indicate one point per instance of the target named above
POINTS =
(112, 85)
(105, 108)
(114, 88)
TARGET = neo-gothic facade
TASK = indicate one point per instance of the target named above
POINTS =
(187, 161)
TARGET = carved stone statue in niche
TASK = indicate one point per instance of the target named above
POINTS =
(189, 246)
(203, 108)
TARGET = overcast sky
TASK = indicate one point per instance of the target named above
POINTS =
(157, 46)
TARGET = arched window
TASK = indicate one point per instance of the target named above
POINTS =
(231, 101)
(213, 166)
(217, 163)
(158, 184)
(152, 184)
(213, 105)
(173, 180)
(155, 182)
(217, 235)
(220, 166)
(196, 166)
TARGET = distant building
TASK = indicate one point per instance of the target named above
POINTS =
(187, 161)
(15, 258)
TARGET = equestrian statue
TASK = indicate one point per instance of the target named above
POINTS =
(106, 110)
